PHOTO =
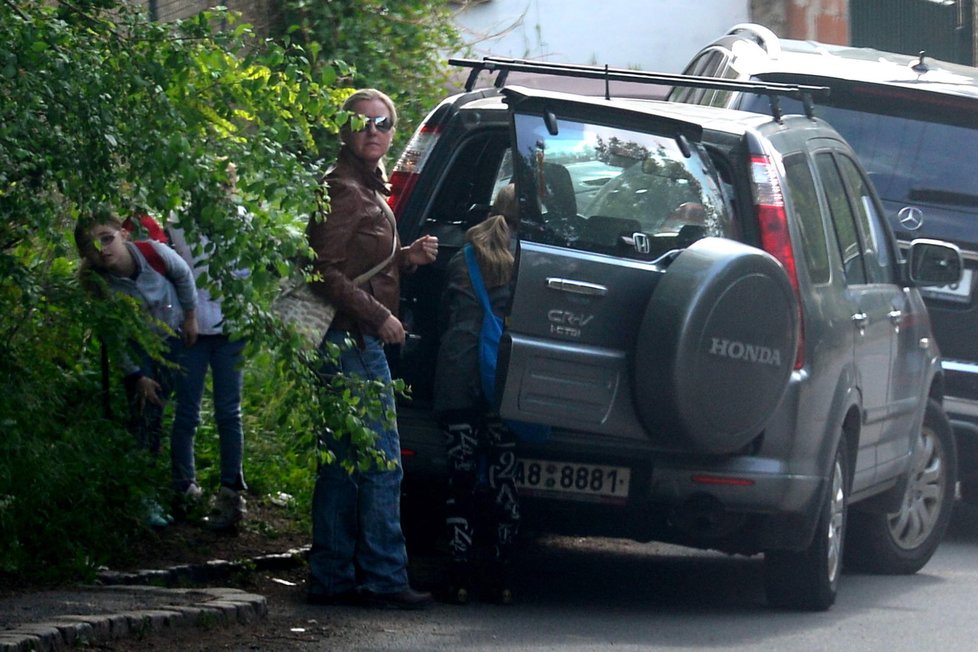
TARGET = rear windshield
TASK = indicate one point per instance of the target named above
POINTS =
(910, 159)
(615, 191)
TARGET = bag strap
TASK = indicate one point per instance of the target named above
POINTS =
(152, 256)
(370, 273)
(475, 276)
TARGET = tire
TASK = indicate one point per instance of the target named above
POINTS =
(902, 542)
(809, 579)
(715, 348)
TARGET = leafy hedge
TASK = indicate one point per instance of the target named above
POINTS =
(100, 106)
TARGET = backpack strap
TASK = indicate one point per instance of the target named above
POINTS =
(152, 256)
(475, 276)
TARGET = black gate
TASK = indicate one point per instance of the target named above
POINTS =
(942, 28)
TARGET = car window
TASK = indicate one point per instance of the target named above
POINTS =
(805, 206)
(876, 249)
(843, 219)
(707, 64)
(616, 191)
(908, 158)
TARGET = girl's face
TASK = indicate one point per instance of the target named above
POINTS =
(108, 250)
(372, 142)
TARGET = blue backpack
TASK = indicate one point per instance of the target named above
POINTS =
(489, 336)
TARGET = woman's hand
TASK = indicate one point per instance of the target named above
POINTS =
(423, 251)
(189, 329)
(392, 331)
(148, 389)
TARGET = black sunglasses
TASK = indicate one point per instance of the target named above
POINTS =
(381, 123)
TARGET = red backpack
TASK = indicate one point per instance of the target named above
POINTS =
(145, 224)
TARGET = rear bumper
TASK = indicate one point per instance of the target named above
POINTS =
(741, 504)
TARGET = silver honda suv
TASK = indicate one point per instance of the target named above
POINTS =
(913, 120)
(710, 312)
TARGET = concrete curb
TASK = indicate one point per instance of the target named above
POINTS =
(211, 605)
(172, 608)
(213, 571)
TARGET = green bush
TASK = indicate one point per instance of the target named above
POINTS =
(100, 106)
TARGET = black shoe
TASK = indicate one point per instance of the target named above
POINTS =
(406, 599)
(346, 599)
(499, 583)
(459, 583)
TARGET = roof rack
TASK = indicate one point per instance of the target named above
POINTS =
(773, 90)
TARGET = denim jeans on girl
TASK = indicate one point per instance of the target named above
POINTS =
(145, 418)
(357, 540)
(224, 358)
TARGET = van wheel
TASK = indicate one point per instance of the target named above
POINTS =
(809, 579)
(902, 542)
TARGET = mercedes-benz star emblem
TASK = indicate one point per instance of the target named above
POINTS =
(911, 218)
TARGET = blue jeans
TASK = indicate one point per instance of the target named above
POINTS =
(145, 418)
(224, 357)
(356, 519)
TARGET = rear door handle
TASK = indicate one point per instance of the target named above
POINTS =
(576, 287)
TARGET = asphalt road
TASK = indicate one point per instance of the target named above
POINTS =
(599, 594)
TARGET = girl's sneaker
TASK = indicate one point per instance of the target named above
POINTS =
(155, 516)
(229, 509)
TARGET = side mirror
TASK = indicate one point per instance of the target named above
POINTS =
(934, 263)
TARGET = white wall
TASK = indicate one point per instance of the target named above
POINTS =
(659, 35)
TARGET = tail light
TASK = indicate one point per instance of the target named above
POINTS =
(775, 238)
(410, 164)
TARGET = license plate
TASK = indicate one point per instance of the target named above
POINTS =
(590, 482)
(956, 292)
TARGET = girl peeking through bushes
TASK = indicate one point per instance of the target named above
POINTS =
(163, 284)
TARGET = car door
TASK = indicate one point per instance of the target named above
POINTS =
(871, 298)
(907, 358)
(583, 280)
(459, 199)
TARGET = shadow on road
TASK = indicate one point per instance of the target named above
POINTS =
(964, 524)
(621, 575)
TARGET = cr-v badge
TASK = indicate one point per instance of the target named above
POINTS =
(911, 218)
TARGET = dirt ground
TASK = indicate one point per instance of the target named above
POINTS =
(268, 529)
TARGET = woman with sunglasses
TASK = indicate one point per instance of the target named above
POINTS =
(164, 285)
(358, 554)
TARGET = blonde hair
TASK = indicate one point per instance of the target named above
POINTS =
(507, 205)
(490, 240)
(366, 95)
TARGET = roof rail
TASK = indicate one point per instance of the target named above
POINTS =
(774, 91)
(765, 38)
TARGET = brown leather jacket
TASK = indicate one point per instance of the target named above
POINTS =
(355, 236)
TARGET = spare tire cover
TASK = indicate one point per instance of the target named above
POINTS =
(716, 347)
